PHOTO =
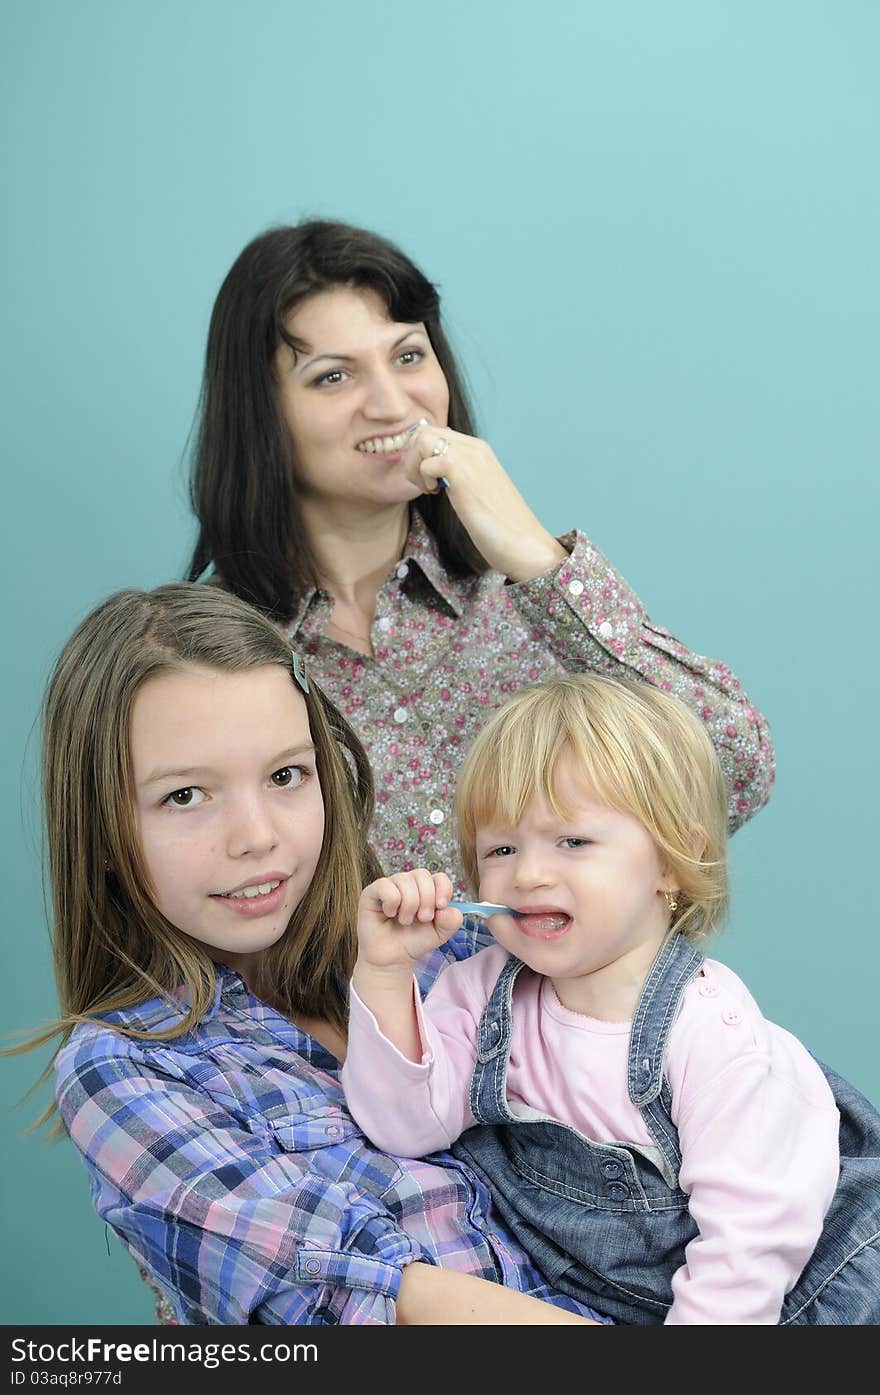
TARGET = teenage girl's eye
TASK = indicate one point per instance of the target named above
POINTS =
(410, 356)
(288, 777)
(187, 798)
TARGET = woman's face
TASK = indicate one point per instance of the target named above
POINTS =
(360, 382)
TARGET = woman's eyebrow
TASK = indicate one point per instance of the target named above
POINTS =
(349, 358)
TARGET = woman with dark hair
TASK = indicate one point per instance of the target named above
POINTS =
(340, 488)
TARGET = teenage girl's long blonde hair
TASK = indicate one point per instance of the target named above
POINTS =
(113, 949)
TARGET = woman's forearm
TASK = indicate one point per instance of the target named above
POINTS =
(441, 1297)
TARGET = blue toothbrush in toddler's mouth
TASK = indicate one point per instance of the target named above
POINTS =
(482, 908)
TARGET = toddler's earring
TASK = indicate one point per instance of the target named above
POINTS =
(671, 902)
(106, 864)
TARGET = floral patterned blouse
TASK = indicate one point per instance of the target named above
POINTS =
(449, 651)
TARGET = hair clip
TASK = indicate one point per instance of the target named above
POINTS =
(299, 671)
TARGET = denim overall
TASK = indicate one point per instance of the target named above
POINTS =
(607, 1222)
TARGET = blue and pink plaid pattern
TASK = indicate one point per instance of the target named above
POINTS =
(228, 1164)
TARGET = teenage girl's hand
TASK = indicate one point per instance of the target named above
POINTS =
(400, 918)
(500, 523)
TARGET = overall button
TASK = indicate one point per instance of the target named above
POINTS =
(612, 1169)
(618, 1190)
(495, 1029)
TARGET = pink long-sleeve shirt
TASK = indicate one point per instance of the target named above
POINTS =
(756, 1119)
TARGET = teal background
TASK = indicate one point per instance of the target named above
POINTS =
(656, 230)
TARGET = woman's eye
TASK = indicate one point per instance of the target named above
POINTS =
(410, 356)
(288, 777)
(187, 798)
(331, 379)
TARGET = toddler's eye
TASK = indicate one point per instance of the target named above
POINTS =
(288, 777)
(187, 798)
(504, 851)
(577, 842)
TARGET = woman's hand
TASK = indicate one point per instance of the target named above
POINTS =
(402, 917)
(500, 523)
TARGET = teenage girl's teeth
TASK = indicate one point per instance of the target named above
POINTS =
(384, 445)
(249, 892)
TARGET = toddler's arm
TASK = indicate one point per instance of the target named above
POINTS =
(759, 1137)
(400, 919)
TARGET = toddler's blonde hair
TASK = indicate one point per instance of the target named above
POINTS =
(639, 751)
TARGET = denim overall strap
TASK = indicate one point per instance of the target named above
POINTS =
(489, 1080)
(673, 969)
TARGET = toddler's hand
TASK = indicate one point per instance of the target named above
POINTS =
(402, 917)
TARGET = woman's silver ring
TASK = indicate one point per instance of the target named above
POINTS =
(441, 446)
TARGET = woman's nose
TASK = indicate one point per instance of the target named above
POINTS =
(250, 829)
(386, 398)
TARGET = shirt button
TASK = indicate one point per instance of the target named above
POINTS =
(606, 630)
(384, 623)
(575, 587)
(731, 1016)
(400, 714)
(436, 816)
(333, 1130)
(312, 1266)
(708, 989)
(402, 571)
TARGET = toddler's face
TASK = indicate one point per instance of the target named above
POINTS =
(592, 885)
(228, 804)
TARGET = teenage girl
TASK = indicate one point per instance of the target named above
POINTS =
(207, 813)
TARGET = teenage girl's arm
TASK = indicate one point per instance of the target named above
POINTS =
(586, 613)
(431, 1296)
(232, 1220)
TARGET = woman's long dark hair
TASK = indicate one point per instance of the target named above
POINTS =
(242, 486)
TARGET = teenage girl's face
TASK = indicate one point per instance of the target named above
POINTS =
(592, 886)
(361, 382)
(228, 804)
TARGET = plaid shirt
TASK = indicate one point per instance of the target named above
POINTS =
(228, 1164)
